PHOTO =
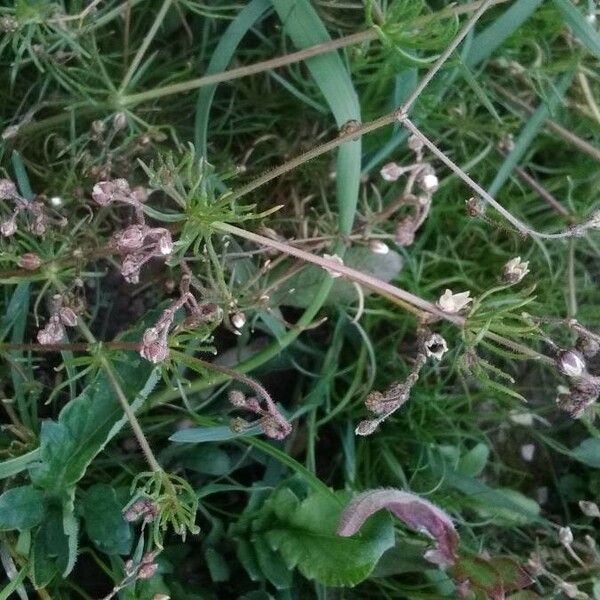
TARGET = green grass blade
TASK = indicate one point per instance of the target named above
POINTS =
(491, 38)
(529, 133)
(305, 28)
(221, 57)
(582, 29)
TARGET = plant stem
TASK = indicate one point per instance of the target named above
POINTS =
(135, 424)
(69, 347)
(381, 287)
(443, 57)
(259, 67)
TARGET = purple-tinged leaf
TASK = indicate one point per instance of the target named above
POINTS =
(416, 513)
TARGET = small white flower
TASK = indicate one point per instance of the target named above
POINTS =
(571, 363)
(430, 182)
(435, 346)
(56, 201)
(454, 303)
(515, 269)
(378, 247)
(565, 536)
(238, 320)
(391, 171)
(336, 259)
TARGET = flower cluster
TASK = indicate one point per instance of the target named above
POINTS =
(61, 316)
(137, 243)
(382, 405)
(421, 184)
(271, 421)
(33, 213)
(155, 342)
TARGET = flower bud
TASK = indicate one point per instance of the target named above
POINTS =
(119, 121)
(565, 536)
(366, 427)
(147, 570)
(129, 239)
(589, 509)
(430, 183)
(571, 363)
(29, 261)
(378, 247)
(52, 333)
(237, 398)
(238, 320)
(391, 171)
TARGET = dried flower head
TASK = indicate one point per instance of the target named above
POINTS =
(515, 269)
(155, 347)
(366, 427)
(52, 333)
(405, 231)
(435, 345)
(453, 303)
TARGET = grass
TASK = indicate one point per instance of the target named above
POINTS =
(259, 130)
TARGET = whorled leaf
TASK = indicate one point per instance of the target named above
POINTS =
(418, 514)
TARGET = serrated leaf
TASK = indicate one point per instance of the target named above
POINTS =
(104, 522)
(21, 508)
(50, 549)
(307, 539)
(87, 424)
(307, 281)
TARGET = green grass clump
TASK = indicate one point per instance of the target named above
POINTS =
(184, 394)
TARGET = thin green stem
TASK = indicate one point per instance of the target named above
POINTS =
(381, 287)
(139, 56)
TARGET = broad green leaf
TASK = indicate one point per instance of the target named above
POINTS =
(50, 549)
(104, 522)
(21, 508)
(579, 25)
(306, 282)
(588, 452)
(207, 459)
(87, 424)
(307, 539)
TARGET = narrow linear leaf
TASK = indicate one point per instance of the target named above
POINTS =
(582, 28)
